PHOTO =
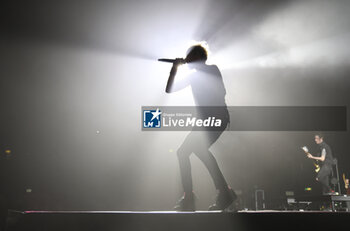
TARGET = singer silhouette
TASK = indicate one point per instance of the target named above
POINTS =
(208, 90)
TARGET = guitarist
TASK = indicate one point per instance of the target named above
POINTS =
(347, 191)
(346, 184)
(326, 160)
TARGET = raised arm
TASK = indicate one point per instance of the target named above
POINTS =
(171, 78)
(170, 84)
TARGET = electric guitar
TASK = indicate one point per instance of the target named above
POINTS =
(315, 162)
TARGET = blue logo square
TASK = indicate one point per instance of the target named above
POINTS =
(152, 118)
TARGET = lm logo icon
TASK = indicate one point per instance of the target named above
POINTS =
(152, 118)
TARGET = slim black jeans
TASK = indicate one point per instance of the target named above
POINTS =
(199, 142)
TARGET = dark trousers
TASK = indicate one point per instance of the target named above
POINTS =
(199, 142)
(323, 177)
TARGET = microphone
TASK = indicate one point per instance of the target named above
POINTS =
(182, 61)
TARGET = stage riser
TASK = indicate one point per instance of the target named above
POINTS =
(172, 222)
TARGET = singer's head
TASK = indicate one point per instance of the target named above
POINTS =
(196, 54)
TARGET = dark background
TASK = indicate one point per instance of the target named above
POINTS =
(74, 75)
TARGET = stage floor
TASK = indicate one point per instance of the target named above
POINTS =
(173, 212)
(172, 220)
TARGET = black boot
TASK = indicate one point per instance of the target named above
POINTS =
(186, 202)
(224, 200)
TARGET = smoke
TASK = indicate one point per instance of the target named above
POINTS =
(298, 34)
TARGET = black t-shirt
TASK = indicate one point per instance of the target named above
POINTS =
(329, 156)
